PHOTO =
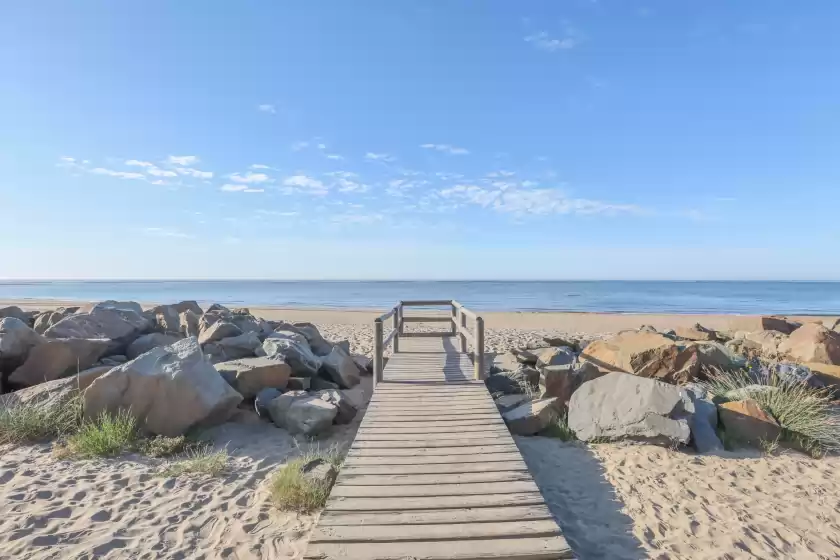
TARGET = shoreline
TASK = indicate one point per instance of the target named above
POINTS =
(590, 322)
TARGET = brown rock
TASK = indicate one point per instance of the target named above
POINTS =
(644, 354)
(59, 357)
(813, 343)
(562, 341)
(53, 392)
(827, 373)
(249, 376)
(747, 422)
(768, 341)
(697, 332)
(756, 323)
(531, 417)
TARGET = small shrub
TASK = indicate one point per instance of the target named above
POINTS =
(162, 446)
(291, 490)
(200, 460)
(560, 430)
(807, 416)
(39, 422)
(106, 436)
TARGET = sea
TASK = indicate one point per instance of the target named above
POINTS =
(789, 298)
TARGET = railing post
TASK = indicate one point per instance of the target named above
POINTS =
(378, 357)
(462, 320)
(400, 313)
(479, 348)
(453, 327)
(396, 326)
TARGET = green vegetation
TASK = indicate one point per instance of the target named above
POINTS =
(35, 423)
(106, 436)
(292, 490)
(808, 419)
(162, 446)
(201, 460)
(560, 429)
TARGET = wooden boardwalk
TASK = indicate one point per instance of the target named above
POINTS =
(433, 472)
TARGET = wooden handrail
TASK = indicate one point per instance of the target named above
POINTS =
(458, 320)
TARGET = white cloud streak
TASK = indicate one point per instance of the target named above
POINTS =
(250, 178)
(120, 174)
(372, 156)
(267, 108)
(544, 42)
(446, 148)
(306, 184)
(512, 198)
(182, 161)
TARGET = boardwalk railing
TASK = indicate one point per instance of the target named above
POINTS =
(458, 321)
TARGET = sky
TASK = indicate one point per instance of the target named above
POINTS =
(574, 139)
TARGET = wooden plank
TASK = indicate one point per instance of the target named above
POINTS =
(447, 418)
(484, 437)
(426, 319)
(449, 444)
(506, 447)
(418, 517)
(434, 502)
(436, 532)
(432, 468)
(534, 548)
(377, 428)
(451, 424)
(371, 458)
(349, 478)
(405, 491)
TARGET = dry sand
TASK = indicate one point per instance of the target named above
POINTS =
(611, 500)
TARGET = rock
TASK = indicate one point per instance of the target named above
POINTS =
(536, 345)
(319, 346)
(52, 393)
(619, 405)
(16, 340)
(49, 318)
(168, 389)
(703, 423)
(829, 375)
(59, 357)
(148, 341)
(747, 422)
(288, 335)
(752, 324)
(531, 417)
(249, 323)
(749, 392)
(644, 354)
(15, 312)
(112, 360)
(320, 473)
(509, 402)
(300, 413)
(744, 347)
(113, 305)
(341, 368)
(212, 332)
(556, 341)
(189, 322)
(527, 357)
(789, 372)
(364, 363)
(559, 356)
(243, 346)
(813, 343)
(318, 383)
(119, 323)
(299, 383)
(503, 383)
(697, 332)
(304, 363)
(769, 341)
(715, 354)
(171, 318)
(648, 329)
(505, 362)
(563, 381)
(346, 409)
(344, 345)
(218, 307)
(250, 376)
(262, 400)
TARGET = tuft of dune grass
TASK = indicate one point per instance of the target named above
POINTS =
(292, 491)
(32, 423)
(199, 461)
(105, 436)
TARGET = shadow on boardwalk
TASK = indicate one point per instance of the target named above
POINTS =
(584, 503)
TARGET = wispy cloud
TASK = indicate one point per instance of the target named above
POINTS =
(501, 173)
(335, 157)
(446, 148)
(544, 42)
(267, 108)
(249, 177)
(346, 185)
(259, 166)
(300, 145)
(197, 173)
(372, 156)
(120, 174)
(308, 184)
(137, 163)
(183, 161)
(156, 172)
(166, 232)
(240, 188)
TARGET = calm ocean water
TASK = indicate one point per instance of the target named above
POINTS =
(604, 296)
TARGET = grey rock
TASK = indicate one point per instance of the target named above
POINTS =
(212, 332)
(288, 335)
(559, 356)
(562, 341)
(116, 321)
(218, 307)
(262, 400)
(527, 357)
(299, 383)
(341, 368)
(148, 341)
(242, 346)
(16, 340)
(249, 376)
(620, 405)
(16, 312)
(718, 355)
(506, 362)
(304, 363)
(509, 402)
(531, 417)
(364, 363)
(318, 383)
(300, 413)
(319, 472)
(57, 358)
(501, 383)
(317, 342)
(703, 423)
(346, 409)
(52, 393)
(189, 322)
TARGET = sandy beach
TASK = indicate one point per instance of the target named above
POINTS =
(615, 500)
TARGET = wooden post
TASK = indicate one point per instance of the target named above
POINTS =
(462, 320)
(453, 328)
(396, 326)
(400, 313)
(479, 348)
(378, 357)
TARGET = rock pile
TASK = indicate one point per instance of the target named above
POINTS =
(642, 384)
(176, 366)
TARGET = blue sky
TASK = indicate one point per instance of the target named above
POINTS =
(378, 139)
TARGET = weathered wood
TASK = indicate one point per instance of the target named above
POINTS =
(420, 517)
(378, 354)
(534, 548)
(433, 532)
(396, 328)
(390, 451)
(368, 459)
(432, 468)
(434, 502)
(427, 319)
(350, 478)
(479, 348)
(425, 302)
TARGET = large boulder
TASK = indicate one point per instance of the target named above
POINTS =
(569, 342)
(531, 417)
(644, 354)
(242, 346)
(813, 342)
(283, 334)
(168, 389)
(562, 381)
(717, 355)
(341, 368)
(262, 400)
(346, 409)
(320, 347)
(704, 421)
(756, 323)
(746, 422)
(301, 413)
(45, 320)
(559, 356)
(53, 393)
(364, 363)
(148, 341)
(16, 312)
(59, 357)
(189, 323)
(619, 405)
(216, 330)
(697, 332)
(16, 340)
(250, 376)
(304, 363)
(768, 342)
(121, 324)
(829, 375)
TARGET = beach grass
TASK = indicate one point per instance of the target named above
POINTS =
(200, 460)
(807, 415)
(560, 429)
(105, 436)
(291, 490)
(25, 423)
